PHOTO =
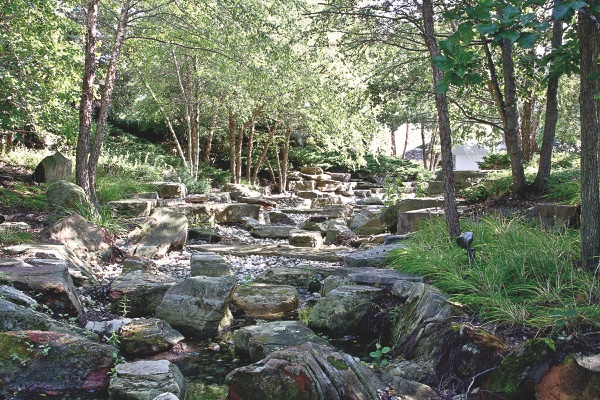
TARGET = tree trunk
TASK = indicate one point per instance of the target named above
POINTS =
(405, 141)
(285, 162)
(432, 153)
(238, 154)
(511, 128)
(393, 140)
(527, 127)
(250, 148)
(441, 103)
(551, 118)
(209, 139)
(589, 37)
(107, 91)
(232, 147)
(424, 144)
(87, 97)
(188, 109)
(263, 154)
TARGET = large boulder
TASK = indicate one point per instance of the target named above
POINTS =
(46, 254)
(302, 238)
(87, 240)
(376, 257)
(272, 231)
(131, 208)
(145, 380)
(555, 214)
(577, 377)
(209, 264)
(378, 277)
(237, 190)
(138, 293)
(265, 301)
(63, 196)
(257, 341)
(53, 168)
(301, 278)
(171, 190)
(53, 282)
(345, 310)
(309, 371)
(198, 306)
(14, 317)
(163, 231)
(147, 336)
(37, 364)
(338, 232)
(16, 296)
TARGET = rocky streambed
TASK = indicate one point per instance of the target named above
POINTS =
(259, 297)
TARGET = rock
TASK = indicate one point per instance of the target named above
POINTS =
(53, 168)
(162, 232)
(166, 396)
(291, 204)
(266, 301)
(107, 327)
(280, 218)
(577, 377)
(196, 198)
(317, 223)
(370, 201)
(148, 336)
(197, 307)
(53, 282)
(435, 188)
(376, 257)
(310, 194)
(39, 254)
(405, 389)
(87, 240)
(338, 233)
(328, 199)
(418, 203)
(170, 190)
(261, 201)
(64, 196)
(258, 341)
(410, 221)
(272, 231)
(145, 380)
(297, 277)
(378, 277)
(422, 304)
(146, 196)
(137, 263)
(301, 186)
(550, 214)
(520, 371)
(14, 317)
(235, 213)
(15, 296)
(362, 193)
(237, 190)
(331, 254)
(340, 176)
(37, 364)
(205, 235)
(329, 185)
(465, 179)
(139, 292)
(133, 208)
(302, 238)
(14, 226)
(333, 282)
(309, 371)
(209, 264)
(311, 170)
(344, 310)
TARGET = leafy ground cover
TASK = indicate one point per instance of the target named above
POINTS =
(522, 275)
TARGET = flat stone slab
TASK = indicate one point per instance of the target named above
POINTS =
(146, 380)
(209, 264)
(325, 253)
(266, 301)
(148, 336)
(257, 341)
(139, 292)
(164, 230)
(300, 278)
(80, 271)
(132, 208)
(273, 231)
(375, 276)
(171, 190)
(15, 227)
(376, 257)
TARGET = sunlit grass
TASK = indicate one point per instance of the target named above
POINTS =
(21, 195)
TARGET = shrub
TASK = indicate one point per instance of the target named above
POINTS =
(495, 161)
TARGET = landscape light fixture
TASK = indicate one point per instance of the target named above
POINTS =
(465, 241)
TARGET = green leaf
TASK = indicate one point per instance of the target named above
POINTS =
(488, 29)
(385, 350)
(443, 63)
(571, 313)
(527, 40)
(443, 85)
(447, 46)
(556, 313)
(511, 35)
(375, 354)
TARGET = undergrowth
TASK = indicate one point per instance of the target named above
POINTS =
(522, 275)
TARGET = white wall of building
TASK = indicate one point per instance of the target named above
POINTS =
(467, 156)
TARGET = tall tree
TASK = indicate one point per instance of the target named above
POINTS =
(588, 30)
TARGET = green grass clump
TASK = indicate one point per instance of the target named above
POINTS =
(522, 275)
(22, 195)
(9, 238)
(495, 184)
(564, 187)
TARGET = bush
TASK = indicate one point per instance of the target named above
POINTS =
(495, 161)
(521, 274)
(494, 185)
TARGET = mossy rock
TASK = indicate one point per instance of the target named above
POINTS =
(522, 369)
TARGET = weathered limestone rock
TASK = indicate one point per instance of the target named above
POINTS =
(422, 304)
(376, 257)
(310, 194)
(133, 208)
(171, 190)
(145, 380)
(139, 292)
(301, 186)
(38, 254)
(419, 203)
(329, 185)
(309, 371)
(272, 231)
(317, 223)
(333, 282)
(435, 188)
(53, 168)
(577, 377)
(340, 176)
(63, 195)
(52, 281)
(14, 317)
(280, 218)
(60, 364)
(302, 238)
(344, 310)
(465, 179)
(258, 341)
(261, 201)
(15, 296)
(370, 201)
(204, 235)
(152, 196)
(236, 190)
(337, 211)
(362, 193)
(378, 277)
(163, 231)
(329, 253)
(520, 371)
(311, 170)
(266, 301)
(209, 264)
(148, 336)
(550, 214)
(232, 213)
(137, 263)
(197, 307)
(410, 221)
(338, 232)
(87, 240)
(13, 226)
(297, 277)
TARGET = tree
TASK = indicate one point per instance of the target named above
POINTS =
(588, 31)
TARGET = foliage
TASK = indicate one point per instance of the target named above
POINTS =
(493, 185)
(378, 354)
(21, 195)
(9, 238)
(520, 271)
(495, 161)
(564, 186)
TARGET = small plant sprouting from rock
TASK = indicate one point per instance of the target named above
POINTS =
(378, 354)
